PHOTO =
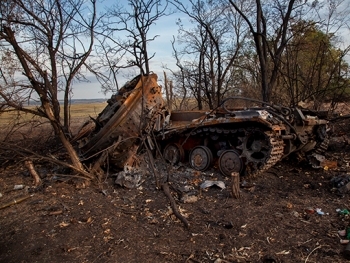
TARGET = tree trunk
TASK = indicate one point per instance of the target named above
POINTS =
(70, 150)
(235, 185)
(58, 129)
(66, 115)
(167, 91)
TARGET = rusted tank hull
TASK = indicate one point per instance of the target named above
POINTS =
(124, 119)
(235, 140)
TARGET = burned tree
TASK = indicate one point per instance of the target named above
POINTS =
(210, 48)
(50, 42)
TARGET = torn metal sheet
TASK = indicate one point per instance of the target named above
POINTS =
(208, 183)
(133, 109)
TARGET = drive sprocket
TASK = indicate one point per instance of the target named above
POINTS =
(261, 150)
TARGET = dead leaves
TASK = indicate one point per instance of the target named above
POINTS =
(65, 224)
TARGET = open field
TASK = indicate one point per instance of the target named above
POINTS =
(86, 109)
(81, 110)
(79, 113)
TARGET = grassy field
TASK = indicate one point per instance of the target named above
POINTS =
(78, 112)
(86, 109)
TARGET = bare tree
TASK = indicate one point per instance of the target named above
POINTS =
(125, 35)
(179, 90)
(269, 28)
(50, 41)
(213, 46)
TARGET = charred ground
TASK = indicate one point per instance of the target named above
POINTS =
(66, 221)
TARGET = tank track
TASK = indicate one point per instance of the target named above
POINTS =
(274, 145)
(276, 153)
(320, 148)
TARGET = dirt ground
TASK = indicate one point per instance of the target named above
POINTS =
(275, 220)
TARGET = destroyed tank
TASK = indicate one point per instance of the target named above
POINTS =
(241, 140)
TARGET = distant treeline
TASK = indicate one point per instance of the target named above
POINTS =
(73, 101)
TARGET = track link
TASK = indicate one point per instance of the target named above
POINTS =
(321, 147)
(275, 154)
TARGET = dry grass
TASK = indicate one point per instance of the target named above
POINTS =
(85, 110)
(78, 112)
(18, 125)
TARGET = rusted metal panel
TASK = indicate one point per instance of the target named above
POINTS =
(186, 116)
(132, 115)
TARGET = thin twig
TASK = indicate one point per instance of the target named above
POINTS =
(15, 201)
(312, 252)
(30, 166)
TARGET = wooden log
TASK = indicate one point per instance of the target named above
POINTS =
(30, 166)
(235, 185)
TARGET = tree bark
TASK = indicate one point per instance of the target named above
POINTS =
(235, 185)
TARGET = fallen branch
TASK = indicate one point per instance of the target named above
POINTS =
(339, 118)
(30, 166)
(165, 187)
(15, 201)
(51, 159)
(96, 169)
(152, 164)
(173, 205)
(54, 160)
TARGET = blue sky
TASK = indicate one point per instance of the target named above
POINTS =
(165, 28)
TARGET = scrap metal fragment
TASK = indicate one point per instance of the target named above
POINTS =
(208, 183)
(129, 178)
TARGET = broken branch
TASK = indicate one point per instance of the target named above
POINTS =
(30, 166)
(86, 175)
(173, 205)
(15, 201)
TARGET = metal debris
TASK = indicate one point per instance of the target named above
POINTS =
(316, 160)
(341, 183)
(208, 183)
(129, 178)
